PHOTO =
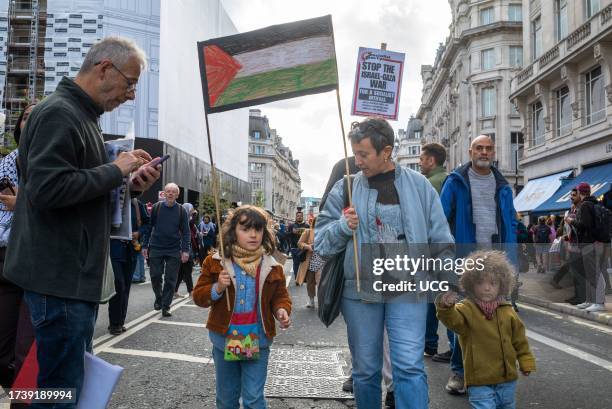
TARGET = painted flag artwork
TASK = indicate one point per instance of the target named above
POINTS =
(270, 64)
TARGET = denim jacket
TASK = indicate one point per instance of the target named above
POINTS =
(422, 217)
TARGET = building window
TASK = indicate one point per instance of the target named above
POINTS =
(259, 150)
(257, 184)
(561, 19)
(563, 111)
(256, 167)
(592, 7)
(515, 12)
(417, 134)
(516, 144)
(488, 59)
(536, 37)
(595, 96)
(516, 56)
(486, 16)
(488, 102)
(256, 135)
(538, 123)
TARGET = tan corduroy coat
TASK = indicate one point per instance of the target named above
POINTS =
(306, 238)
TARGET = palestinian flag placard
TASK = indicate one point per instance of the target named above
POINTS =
(270, 64)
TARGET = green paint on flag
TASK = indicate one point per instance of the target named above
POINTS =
(286, 80)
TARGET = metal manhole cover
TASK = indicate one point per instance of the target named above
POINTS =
(307, 373)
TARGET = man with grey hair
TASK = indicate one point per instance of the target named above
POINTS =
(478, 204)
(168, 247)
(63, 212)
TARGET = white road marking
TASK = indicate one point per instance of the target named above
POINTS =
(287, 280)
(191, 305)
(585, 356)
(184, 324)
(132, 327)
(157, 354)
(602, 328)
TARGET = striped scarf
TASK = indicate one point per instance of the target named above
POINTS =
(488, 307)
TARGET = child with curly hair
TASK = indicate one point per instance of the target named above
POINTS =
(491, 334)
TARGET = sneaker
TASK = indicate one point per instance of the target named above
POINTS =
(123, 329)
(166, 313)
(157, 306)
(114, 330)
(311, 303)
(584, 305)
(390, 400)
(574, 301)
(443, 357)
(596, 308)
(347, 386)
(430, 352)
(455, 385)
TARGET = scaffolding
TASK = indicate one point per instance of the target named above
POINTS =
(25, 57)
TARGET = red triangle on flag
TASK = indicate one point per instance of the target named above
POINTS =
(221, 69)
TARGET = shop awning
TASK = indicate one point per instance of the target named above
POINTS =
(536, 191)
(599, 177)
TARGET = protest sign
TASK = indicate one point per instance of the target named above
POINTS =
(377, 83)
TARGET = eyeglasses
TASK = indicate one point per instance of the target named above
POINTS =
(131, 84)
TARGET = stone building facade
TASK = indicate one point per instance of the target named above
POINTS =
(564, 93)
(466, 92)
(408, 145)
(273, 173)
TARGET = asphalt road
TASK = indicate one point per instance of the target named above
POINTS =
(168, 361)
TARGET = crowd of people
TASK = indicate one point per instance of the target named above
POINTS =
(59, 180)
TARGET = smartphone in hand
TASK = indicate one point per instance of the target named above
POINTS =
(6, 187)
(154, 163)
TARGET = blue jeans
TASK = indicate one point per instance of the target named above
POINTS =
(500, 396)
(64, 330)
(456, 355)
(405, 323)
(244, 379)
(139, 272)
(164, 269)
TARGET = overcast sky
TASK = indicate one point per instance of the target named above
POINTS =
(310, 125)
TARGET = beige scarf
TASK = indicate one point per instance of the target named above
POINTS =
(247, 260)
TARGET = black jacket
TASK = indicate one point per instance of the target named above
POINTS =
(337, 173)
(585, 220)
(59, 242)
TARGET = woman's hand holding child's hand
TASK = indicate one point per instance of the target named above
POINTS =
(283, 318)
(449, 299)
(223, 282)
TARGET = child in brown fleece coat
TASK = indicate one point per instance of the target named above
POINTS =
(491, 334)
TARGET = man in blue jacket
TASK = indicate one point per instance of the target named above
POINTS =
(477, 201)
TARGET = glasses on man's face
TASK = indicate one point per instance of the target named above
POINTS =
(131, 84)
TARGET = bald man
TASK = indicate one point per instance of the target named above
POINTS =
(168, 247)
(478, 204)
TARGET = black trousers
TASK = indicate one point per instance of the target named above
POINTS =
(577, 270)
(184, 274)
(118, 305)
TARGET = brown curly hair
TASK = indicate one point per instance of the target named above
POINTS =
(496, 265)
(249, 217)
